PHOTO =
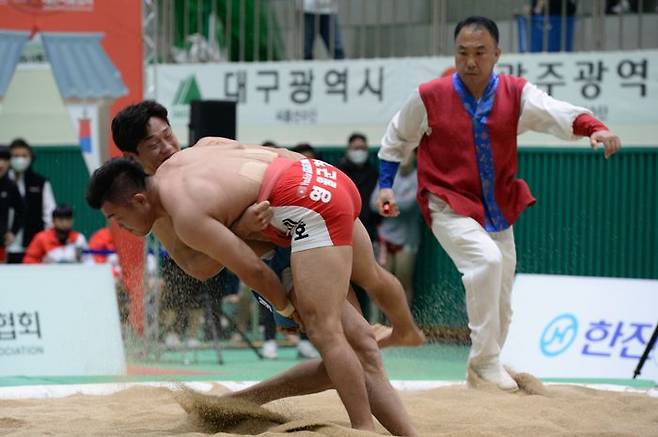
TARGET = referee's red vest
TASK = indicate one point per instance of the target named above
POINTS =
(447, 161)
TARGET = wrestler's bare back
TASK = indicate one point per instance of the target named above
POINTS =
(221, 181)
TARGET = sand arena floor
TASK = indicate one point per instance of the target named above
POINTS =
(536, 410)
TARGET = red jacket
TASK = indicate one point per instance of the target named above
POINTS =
(102, 241)
(45, 248)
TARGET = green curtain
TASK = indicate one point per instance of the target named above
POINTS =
(68, 175)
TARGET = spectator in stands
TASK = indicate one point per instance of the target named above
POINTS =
(12, 209)
(37, 196)
(465, 128)
(322, 13)
(547, 21)
(103, 250)
(60, 243)
(305, 149)
(399, 237)
(356, 166)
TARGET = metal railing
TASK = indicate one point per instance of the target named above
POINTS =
(270, 30)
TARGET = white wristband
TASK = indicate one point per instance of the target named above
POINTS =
(287, 311)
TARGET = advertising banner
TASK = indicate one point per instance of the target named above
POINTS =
(59, 320)
(582, 327)
(297, 98)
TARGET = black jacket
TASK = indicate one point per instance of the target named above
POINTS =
(33, 199)
(365, 178)
(10, 198)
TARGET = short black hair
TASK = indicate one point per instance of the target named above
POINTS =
(130, 124)
(304, 148)
(478, 22)
(115, 181)
(4, 153)
(63, 210)
(357, 136)
(20, 143)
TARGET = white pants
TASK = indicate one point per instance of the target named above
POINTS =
(487, 261)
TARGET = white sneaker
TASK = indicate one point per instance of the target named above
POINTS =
(270, 350)
(306, 350)
(493, 372)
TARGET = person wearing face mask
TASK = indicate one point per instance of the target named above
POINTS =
(37, 195)
(399, 237)
(364, 175)
(59, 244)
(11, 205)
(356, 166)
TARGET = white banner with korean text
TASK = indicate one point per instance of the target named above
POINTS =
(59, 320)
(324, 101)
(582, 327)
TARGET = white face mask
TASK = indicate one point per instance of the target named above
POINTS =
(19, 163)
(359, 157)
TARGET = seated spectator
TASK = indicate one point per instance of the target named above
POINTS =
(59, 244)
(103, 250)
(12, 209)
(399, 237)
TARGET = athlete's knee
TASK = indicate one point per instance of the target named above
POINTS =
(365, 347)
(323, 331)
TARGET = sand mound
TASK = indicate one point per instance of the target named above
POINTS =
(218, 414)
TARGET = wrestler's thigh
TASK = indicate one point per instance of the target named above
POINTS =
(321, 280)
(364, 266)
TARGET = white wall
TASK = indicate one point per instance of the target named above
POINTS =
(34, 109)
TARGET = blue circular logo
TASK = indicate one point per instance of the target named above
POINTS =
(558, 335)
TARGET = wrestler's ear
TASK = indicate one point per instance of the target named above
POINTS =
(139, 199)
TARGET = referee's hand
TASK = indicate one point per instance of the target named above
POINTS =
(386, 203)
(611, 142)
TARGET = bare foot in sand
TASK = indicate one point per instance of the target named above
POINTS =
(409, 338)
